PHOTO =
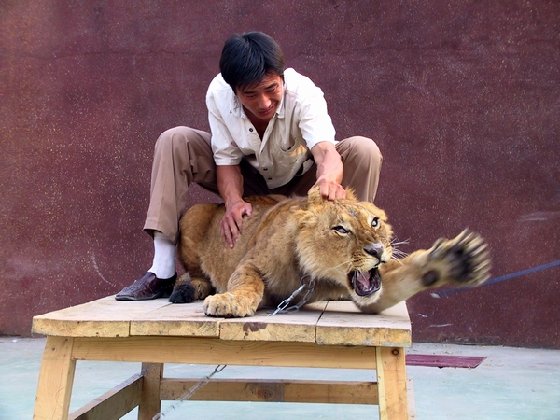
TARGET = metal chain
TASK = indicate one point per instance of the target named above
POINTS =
(284, 306)
(190, 392)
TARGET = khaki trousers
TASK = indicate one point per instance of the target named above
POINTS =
(184, 155)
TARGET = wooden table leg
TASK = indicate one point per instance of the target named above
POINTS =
(150, 405)
(391, 379)
(56, 379)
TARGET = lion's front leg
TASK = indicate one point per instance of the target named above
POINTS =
(244, 294)
(462, 261)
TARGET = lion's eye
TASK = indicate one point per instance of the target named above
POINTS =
(375, 222)
(340, 229)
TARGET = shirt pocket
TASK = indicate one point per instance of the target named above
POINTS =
(287, 144)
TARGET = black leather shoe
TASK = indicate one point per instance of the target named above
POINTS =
(148, 287)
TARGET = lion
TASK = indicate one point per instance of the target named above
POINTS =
(305, 249)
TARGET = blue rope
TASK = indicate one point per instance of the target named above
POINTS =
(505, 277)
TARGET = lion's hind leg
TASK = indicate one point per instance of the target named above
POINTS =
(188, 289)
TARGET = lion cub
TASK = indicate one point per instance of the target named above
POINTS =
(338, 249)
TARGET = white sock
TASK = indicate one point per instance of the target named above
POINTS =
(163, 265)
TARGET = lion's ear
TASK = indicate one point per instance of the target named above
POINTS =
(351, 195)
(314, 195)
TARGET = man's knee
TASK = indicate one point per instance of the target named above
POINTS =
(182, 139)
(172, 138)
(362, 149)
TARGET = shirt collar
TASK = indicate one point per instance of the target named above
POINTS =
(281, 110)
(236, 107)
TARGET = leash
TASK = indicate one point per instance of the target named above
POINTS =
(189, 393)
(499, 279)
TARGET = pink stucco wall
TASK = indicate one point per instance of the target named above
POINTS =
(461, 96)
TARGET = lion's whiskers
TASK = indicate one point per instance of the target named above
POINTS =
(395, 243)
(397, 253)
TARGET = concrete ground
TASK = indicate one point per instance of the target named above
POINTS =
(510, 384)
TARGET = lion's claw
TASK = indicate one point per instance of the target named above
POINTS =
(464, 259)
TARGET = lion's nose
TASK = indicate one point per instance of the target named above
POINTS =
(375, 250)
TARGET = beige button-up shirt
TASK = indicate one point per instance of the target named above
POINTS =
(301, 121)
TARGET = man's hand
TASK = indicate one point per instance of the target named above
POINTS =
(230, 187)
(232, 222)
(330, 189)
(329, 171)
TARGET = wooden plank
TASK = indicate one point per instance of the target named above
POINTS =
(55, 379)
(175, 320)
(150, 403)
(68, 328)
(391, 382)
(113, 404)
(100, 318)
(215, 351)
(334, 392)
(343, 323)
(294, 326)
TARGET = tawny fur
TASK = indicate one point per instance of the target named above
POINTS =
(285, 240)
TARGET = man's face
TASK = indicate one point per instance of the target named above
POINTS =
(263, 98)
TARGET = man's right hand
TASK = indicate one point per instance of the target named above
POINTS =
(232, 222)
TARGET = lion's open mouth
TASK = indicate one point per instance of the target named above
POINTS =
(366, 283)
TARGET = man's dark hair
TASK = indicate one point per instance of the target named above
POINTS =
(247, 58)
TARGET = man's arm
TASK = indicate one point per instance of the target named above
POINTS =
(329, 170)
(230, 188)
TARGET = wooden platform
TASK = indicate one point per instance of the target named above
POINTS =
(322, 334)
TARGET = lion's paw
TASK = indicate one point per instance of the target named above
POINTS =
(462, 261)
(227, 305)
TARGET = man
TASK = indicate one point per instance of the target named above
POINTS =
(271, 133)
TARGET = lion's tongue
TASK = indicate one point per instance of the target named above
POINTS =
(367, 282)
